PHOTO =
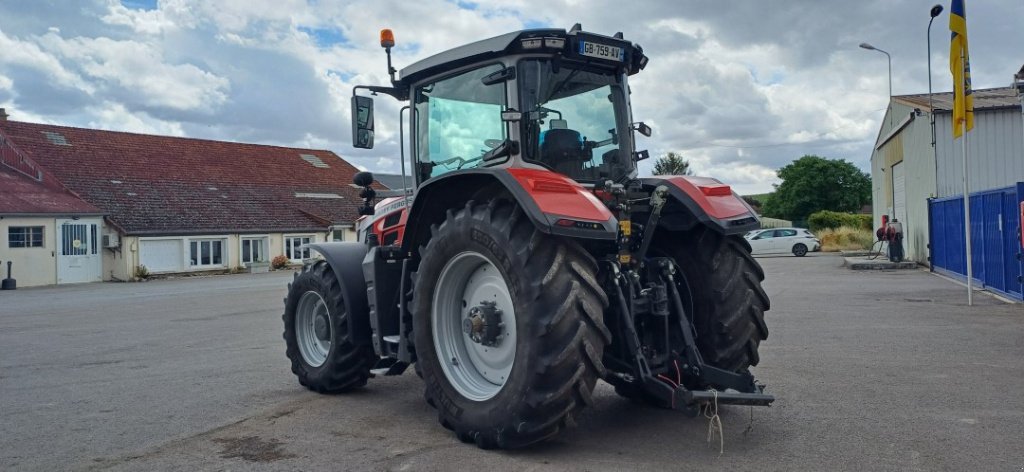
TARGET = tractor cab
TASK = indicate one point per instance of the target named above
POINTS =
(546, 99)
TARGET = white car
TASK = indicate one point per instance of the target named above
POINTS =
(797, 241)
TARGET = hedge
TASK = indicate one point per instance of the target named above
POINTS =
(833, 219)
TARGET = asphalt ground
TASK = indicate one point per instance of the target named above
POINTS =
(873, 371)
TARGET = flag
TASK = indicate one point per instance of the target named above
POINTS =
(960, 66)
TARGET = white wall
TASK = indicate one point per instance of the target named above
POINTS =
(32, 266)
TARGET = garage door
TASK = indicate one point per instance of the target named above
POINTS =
(161, 255)
(899, 194)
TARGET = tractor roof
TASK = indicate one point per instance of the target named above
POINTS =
(512, 43)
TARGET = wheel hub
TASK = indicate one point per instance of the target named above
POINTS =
(322, 327)
(483, 324)
(473, 323)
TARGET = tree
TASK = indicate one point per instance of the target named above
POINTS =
(672, 164)
(814, 183)
(753, 202)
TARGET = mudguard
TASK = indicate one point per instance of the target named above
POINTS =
(554, 203)
(346, 260)
(703, 200)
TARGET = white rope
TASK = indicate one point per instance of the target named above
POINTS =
(714, 422)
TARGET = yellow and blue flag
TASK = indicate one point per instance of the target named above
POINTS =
(960, 66)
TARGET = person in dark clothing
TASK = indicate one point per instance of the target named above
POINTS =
(894, 234)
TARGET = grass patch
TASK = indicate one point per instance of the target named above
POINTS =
(845, 238)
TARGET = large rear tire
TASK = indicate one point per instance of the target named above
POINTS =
(317, 335)
(525, 382)
(721, 288)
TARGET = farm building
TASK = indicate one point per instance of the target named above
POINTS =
(917, 177)
(82, 205)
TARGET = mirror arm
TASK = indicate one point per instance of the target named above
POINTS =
(400, 93)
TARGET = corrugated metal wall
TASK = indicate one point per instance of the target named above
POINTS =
(912, 147)
(995, 238)
(995, 150)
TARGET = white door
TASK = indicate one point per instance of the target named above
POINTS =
(899, 194)
(78, 256)
(161, 255)
(762, 242)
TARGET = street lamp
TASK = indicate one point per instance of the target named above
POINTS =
(872, 48)
(934, 12)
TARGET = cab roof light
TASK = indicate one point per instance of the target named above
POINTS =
(387, 38)
(532, 43)
(556, 43)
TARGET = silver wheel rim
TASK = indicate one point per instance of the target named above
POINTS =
(313, 349)
(476, 371)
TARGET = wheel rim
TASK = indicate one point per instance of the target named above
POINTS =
(800, 250)
(313, 331)
(476, 370)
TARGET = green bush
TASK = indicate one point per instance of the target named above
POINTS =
(141, 272)
(833, 219)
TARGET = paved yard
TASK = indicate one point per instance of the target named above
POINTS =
(873, 371)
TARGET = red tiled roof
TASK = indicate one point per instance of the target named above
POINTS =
(21, 195)
(165, 185)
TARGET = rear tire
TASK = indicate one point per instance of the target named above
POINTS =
(799, 250)
(721, 289)
(322, 353)
(559, 331)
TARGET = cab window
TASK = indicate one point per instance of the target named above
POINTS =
(458, 119)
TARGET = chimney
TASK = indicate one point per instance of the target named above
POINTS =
(3, 114)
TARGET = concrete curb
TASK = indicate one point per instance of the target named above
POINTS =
(857, 263)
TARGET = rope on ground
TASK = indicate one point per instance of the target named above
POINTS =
(714, 422)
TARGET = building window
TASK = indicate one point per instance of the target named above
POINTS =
(338, 235)
(206, 253)
(25, 236)
(253, 250)
(292, 245)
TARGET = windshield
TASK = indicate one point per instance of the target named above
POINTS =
(576, 121)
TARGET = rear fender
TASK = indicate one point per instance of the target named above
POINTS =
(554, 203)
(703, 200)
(346, 260)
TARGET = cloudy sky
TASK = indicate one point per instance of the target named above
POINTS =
(740, 88)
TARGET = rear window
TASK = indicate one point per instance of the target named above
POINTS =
(781, 233)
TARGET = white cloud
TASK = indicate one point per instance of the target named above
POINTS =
(115, 117)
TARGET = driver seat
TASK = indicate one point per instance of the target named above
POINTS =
(562, 150)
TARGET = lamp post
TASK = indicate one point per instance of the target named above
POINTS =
(889, 58)
(931, 108)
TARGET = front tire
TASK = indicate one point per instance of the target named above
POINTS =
(545, 288)
(317, 335)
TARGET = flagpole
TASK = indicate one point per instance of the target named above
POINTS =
(967, 205)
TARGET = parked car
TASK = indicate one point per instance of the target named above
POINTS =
(798, 241)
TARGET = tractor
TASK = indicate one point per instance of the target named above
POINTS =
(527, 260)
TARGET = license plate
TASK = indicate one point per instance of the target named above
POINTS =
(601, 51)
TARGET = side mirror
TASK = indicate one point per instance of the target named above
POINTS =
(642, 128)
(362, 122)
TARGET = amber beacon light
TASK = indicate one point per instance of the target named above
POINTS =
(387, 38)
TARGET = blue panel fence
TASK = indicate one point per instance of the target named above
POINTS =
(996, 251)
